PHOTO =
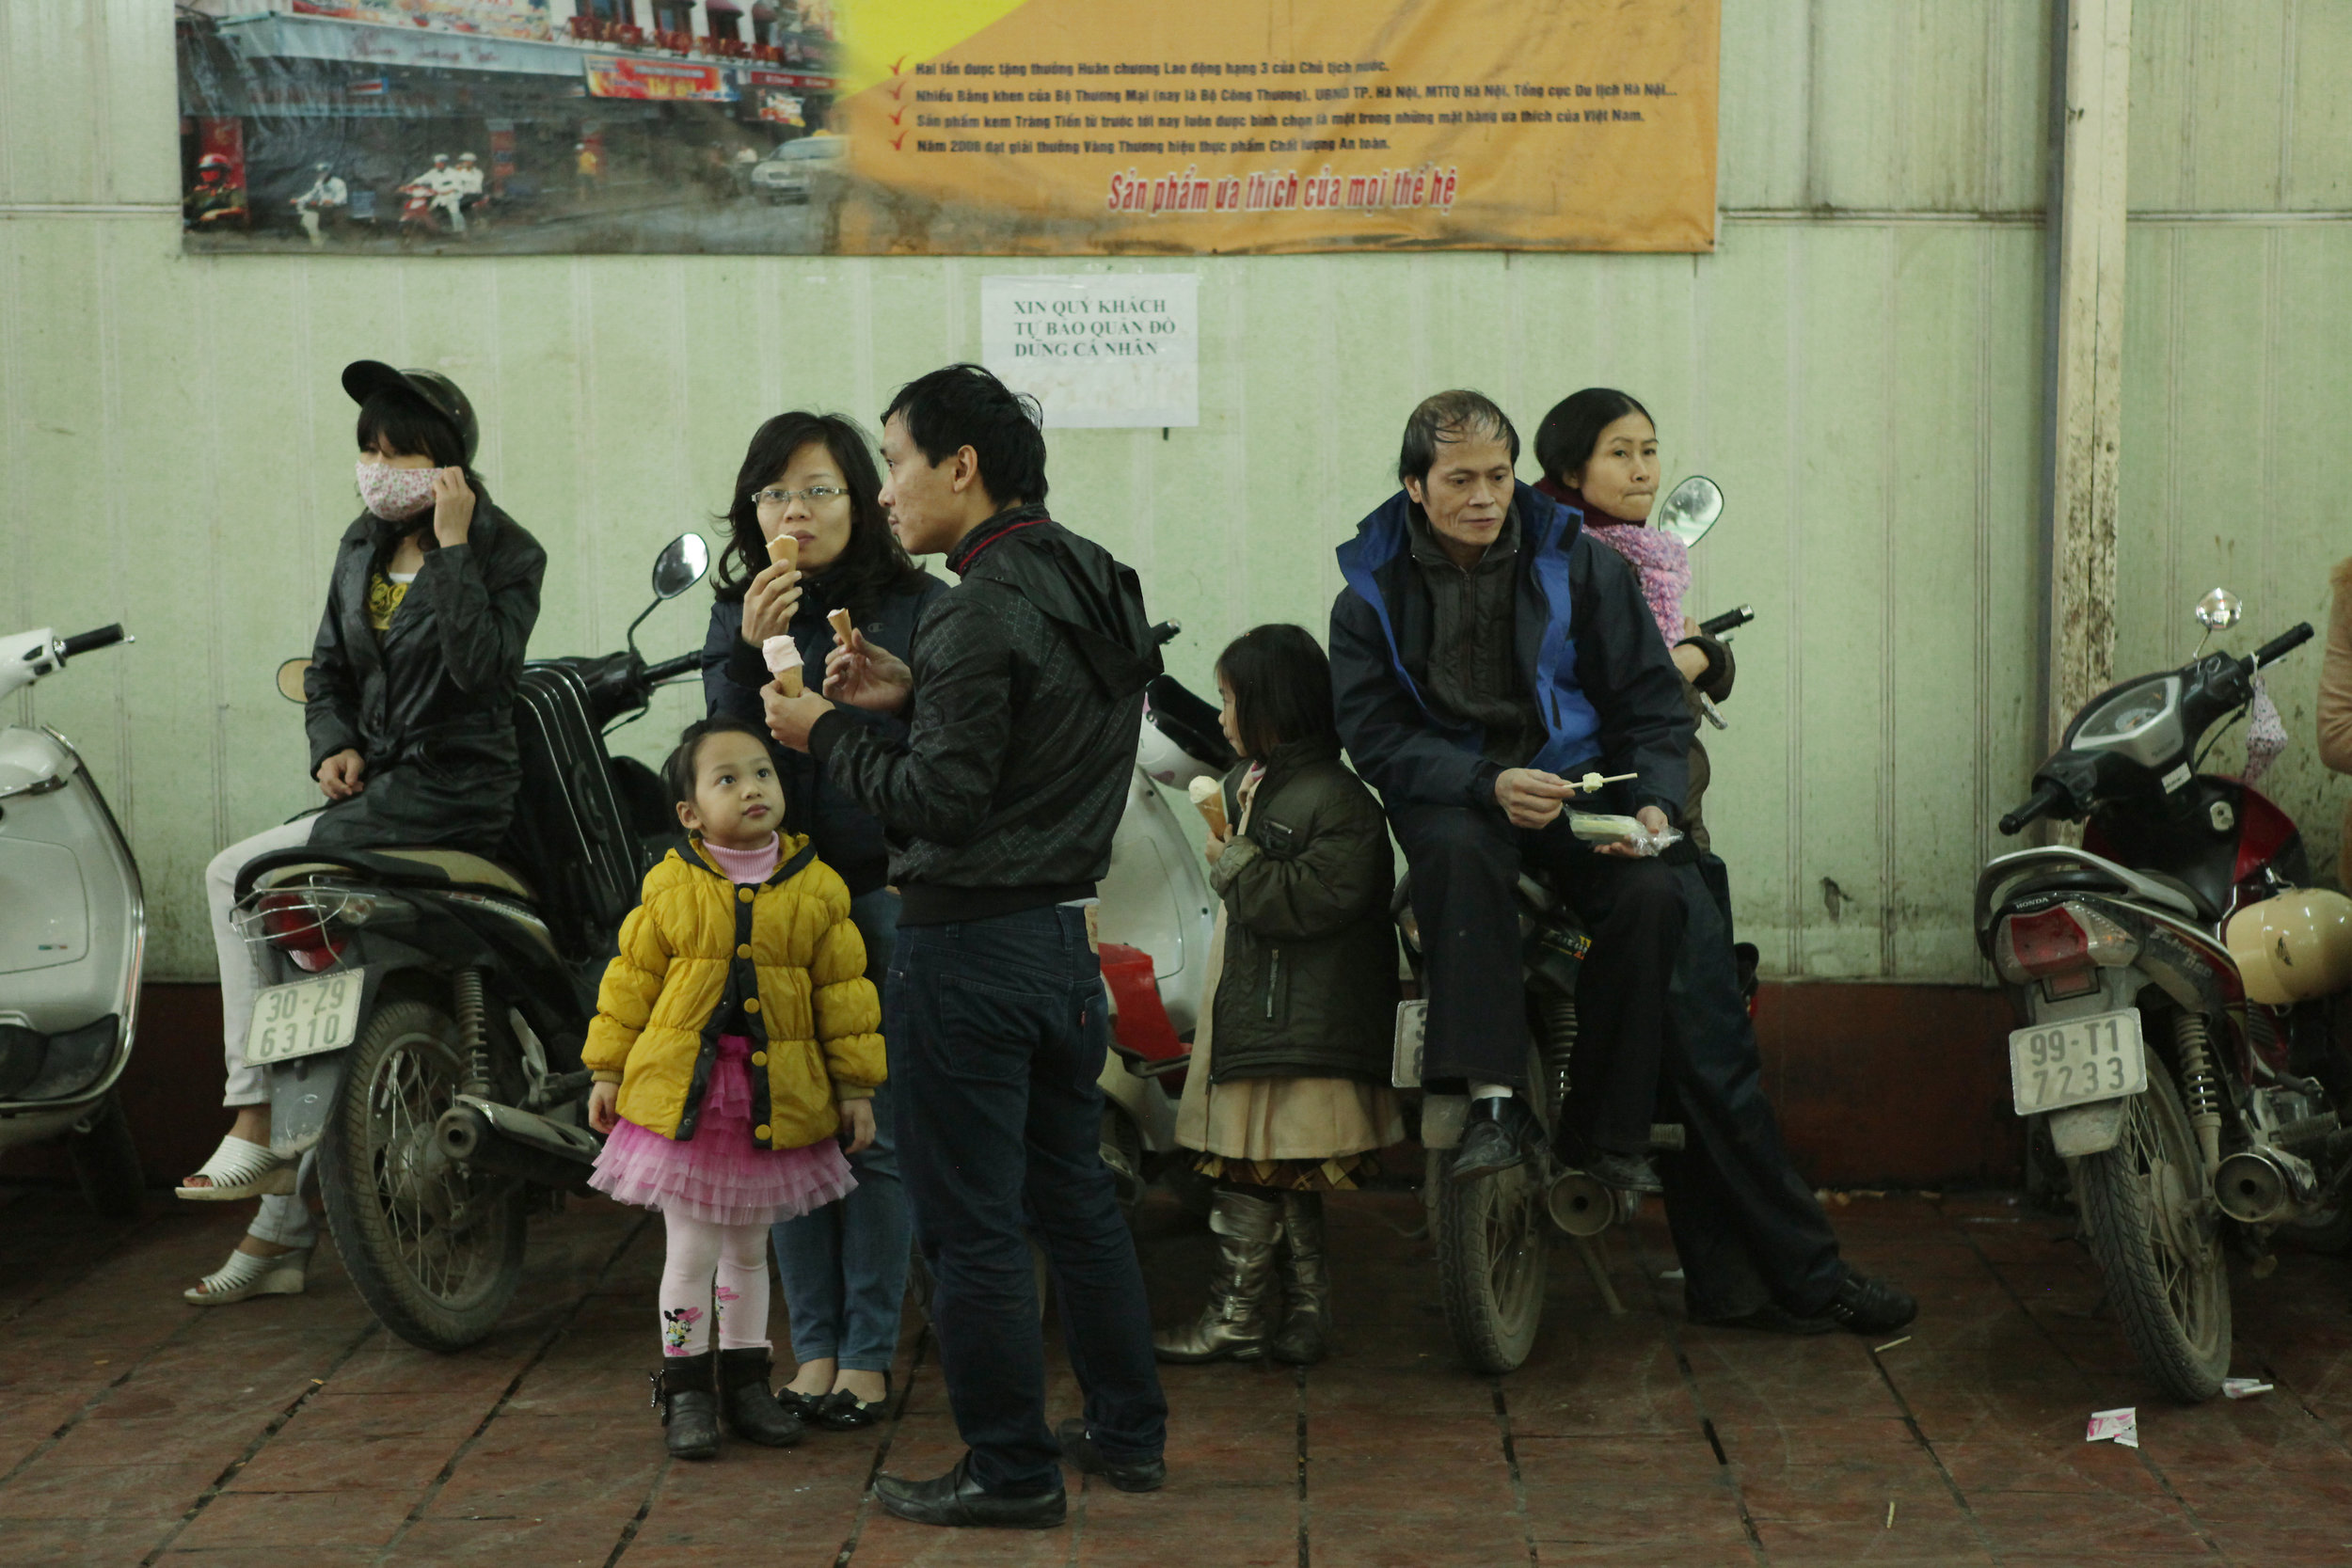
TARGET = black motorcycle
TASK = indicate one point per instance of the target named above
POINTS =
(423, 1009)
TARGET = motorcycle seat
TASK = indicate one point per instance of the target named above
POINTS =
(426, 865)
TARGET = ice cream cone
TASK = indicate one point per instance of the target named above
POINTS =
(839, 619)
(789, 681)
(1208, 796)
(785, 550)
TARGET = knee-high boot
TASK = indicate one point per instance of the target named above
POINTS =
(1305, 1334)
(1233, 1325)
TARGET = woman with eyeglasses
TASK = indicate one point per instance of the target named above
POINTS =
(812, 477)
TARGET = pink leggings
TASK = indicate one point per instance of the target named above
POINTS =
(713, 1267)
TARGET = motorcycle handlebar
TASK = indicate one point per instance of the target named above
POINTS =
(2037, 806)
(107, 637)
(1165, 633)
(670, 669)
(2283, 644)
(1730, 620)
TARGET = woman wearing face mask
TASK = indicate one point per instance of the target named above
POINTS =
(811, 477)
(429, 604)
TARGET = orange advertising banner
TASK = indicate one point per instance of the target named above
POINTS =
(615, 76)
(1072, 127)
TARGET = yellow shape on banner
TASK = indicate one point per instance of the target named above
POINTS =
(884, 38)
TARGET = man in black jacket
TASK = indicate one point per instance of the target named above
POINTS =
(1023, 693)
(1484, 654)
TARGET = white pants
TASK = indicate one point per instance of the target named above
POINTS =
(283, 1219)
(239, 975)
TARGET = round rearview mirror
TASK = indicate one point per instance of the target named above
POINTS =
(290, 680)
(680, 565)
(1692, 509)
(2218, 611)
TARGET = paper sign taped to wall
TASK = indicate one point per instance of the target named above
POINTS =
(1100, 351)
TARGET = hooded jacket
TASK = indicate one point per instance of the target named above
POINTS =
(428, 703)
(1029, 673)
(1605, 686)
(783, 960)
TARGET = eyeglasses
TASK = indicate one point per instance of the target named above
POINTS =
(785, 497)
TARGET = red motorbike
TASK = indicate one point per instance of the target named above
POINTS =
(2176, 978)
(418, 215)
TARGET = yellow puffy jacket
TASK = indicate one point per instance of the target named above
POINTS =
(695, 944)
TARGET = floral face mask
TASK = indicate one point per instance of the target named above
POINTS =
(393, 494)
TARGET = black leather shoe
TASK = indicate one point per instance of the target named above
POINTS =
(751, 1410)
(1500, 1132)
(842, 1410)
(955, 1499)
(1771, 1318)
(1868, 1305)
(1135, 1474)
(1626, 1173)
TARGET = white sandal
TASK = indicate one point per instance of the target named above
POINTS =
(246, 1273)
(242, 1168)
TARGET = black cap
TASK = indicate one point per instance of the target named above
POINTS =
(365, 378)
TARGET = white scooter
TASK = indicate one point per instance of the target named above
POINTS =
(72, 934)
(1156, 920)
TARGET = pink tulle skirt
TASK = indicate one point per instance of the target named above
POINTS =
(720, 1176)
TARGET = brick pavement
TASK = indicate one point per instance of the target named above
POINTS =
(136, 1431)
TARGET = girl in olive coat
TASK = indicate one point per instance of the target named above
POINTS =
(735, 1036)
(1288, 1091)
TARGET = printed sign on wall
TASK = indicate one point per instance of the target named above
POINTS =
(1098, 352)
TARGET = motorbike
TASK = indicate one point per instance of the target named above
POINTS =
(1157, 920)
(73, 938)
(1492, 1235)
(425, 1009)
(2174, 979)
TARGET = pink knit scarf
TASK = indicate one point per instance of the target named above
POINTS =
(1657, 557)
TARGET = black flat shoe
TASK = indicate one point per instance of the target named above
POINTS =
(1135, 1474)
(803, 1405)
(1773, 1319)
(1500, 1132)
(1626, 1173)
(842, 1410)
(955, 1500)
(1867, 1305)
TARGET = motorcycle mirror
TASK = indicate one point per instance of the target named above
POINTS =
(2218, 611)
(1692, 509)
(290, 680)
(680, 565)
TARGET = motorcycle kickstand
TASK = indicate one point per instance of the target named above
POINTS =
(1599, 1272)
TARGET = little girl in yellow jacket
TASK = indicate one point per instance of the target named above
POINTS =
(735, 1033)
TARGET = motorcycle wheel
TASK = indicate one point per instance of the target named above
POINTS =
(434, 1250)
(2156, 1235)
(1490, 1236)
(106, 1164)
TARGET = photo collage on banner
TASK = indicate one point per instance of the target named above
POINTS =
(974, 127)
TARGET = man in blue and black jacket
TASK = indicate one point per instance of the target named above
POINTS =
(1485, 654)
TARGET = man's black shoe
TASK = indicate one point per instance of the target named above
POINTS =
(1626, 1173)
(1138, 1475)
(956, 1499)
(1502, 1129)
(1868, 1306)
(1773, 1319)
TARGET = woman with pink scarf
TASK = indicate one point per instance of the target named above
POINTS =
(1757, 1250)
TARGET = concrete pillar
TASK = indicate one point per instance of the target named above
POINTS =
(2090, 103)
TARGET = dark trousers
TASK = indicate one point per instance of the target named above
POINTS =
(1465, 867)
(996, 1033)
(1746, 1226)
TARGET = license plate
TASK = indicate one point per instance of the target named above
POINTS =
(306, 1017)
(2077, 1060)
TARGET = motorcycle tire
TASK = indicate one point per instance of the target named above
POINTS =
(106, 1164)
(1491, 1249)
(434, 1250)
(2156, 1235)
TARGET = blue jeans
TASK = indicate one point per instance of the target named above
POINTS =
(845, 1265)
(997, 1032)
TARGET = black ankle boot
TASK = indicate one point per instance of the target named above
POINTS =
(751, 1406)
(683, 1392)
